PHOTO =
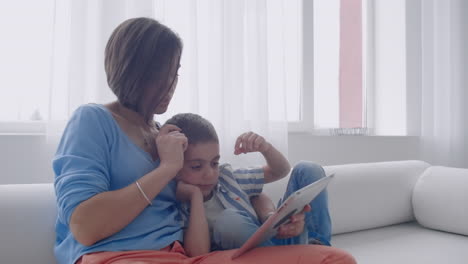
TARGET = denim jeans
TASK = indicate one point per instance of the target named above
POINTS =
(233, 227)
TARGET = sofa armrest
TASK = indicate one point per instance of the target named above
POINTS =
(440, 199)
(27, 233)
(370, 195)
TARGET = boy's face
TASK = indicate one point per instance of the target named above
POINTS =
(201, 166)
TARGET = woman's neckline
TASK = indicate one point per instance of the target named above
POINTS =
(122, 132)
(130, 115)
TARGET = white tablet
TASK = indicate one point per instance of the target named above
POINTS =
(293, 205)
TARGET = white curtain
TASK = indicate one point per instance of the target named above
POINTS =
(232, 69)
(444, 130)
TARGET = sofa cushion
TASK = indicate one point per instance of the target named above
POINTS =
(404, 243)
(440, 199)
(370, 195)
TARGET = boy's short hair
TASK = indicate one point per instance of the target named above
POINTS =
(196, 128)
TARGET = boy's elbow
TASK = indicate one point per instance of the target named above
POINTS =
(283, 173)
(287, 169)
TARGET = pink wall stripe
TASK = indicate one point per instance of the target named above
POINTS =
(350, 76)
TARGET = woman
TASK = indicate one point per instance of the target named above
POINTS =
(115, 166)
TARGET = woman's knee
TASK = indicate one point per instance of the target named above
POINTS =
(307, 169)
(333, 255)
(339, 256)
(300, 254)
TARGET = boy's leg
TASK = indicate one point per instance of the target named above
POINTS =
(232, 228)
(317, 221)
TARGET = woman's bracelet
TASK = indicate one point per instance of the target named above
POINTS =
(143, 193)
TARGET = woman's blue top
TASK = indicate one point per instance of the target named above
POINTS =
(95, 156)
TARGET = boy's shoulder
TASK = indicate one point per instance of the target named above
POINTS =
(225, 166)
(226, 170)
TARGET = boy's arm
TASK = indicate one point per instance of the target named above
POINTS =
(196, 235)
(263, 206)
(277, 165)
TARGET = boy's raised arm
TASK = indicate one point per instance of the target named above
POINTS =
(277, 165)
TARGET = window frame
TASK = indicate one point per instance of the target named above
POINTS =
(306, 124)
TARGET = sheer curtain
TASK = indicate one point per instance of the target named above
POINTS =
(232, 69)
(444, 86)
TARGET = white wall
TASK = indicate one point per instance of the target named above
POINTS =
(27, 159)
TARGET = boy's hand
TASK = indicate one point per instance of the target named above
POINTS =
(295, 227)
(251, 142)
(185, 192)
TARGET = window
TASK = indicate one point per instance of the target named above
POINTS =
(354, 68)
(25, 50)
(345, 64)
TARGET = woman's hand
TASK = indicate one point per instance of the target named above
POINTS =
(250, 142)
(171, 144)
(185, 191)
(295, 227)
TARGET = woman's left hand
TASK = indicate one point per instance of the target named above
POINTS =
(295, 227)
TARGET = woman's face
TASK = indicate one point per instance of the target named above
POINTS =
(164, 104)
(162, 107)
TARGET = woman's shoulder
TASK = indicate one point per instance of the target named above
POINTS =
(92, 113)
(91, 110)
(90, 117)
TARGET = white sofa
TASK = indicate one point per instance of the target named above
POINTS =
(388, 212)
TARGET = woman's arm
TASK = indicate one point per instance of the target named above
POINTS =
(109, 212)
(197, 235)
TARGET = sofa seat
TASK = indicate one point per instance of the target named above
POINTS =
(404, 243)
(381, 213)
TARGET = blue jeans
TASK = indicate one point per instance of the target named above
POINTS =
(234, 227)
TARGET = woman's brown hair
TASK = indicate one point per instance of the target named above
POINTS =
(139, 57)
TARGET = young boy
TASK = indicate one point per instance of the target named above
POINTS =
(218, 199)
